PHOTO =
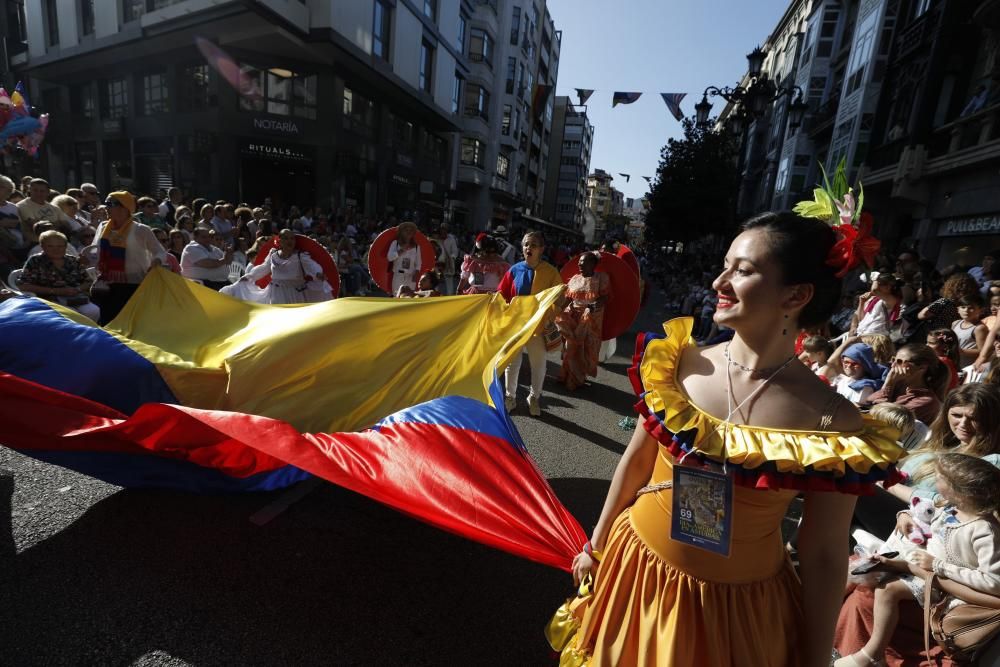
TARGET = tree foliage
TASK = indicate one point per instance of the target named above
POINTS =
(696, 186)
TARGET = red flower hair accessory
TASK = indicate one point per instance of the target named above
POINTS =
(835, 205)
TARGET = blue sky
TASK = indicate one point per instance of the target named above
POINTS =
(653, 46)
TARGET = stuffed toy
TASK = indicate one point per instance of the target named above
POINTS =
(922, 510)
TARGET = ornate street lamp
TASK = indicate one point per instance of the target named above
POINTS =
(754, 98)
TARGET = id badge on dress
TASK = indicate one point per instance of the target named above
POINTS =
(702, 509)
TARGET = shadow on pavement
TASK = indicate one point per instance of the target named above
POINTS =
(335, 580)
(590, 436)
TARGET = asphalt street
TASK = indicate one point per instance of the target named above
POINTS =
(91, 574)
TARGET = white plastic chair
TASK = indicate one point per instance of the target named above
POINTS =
(14, 276)
(236, 271)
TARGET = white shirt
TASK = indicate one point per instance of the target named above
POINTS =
(141, 247)
(449, 253)
(405, 266)
(223, 228)
(193, 253)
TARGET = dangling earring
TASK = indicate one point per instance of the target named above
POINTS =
(784, 332)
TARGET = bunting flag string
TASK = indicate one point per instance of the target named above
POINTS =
(584, 94)
(620, 97)
(673, 102)
(649, 179)
(627, 177)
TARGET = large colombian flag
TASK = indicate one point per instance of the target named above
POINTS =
(191, 390)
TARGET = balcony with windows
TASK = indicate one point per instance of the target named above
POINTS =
(968, 135)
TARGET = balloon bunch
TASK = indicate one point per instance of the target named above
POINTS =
(18, 128)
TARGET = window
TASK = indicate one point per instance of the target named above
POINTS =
(114, 98)
(133, 9)
(51, 23)
(83, 100)
(515, 25)
(426, 65)
(511, 74)
(520, 81)
(481, 47)
(462, 23)
(473, 152)
(192, 89)
(477, 101)
(506, 120)
(155, 97)
(380, 30)
(430, 9)
(87, 17)
(278, 91)
(503, 166)
(359, 112)
(456, 93)
(782, 180)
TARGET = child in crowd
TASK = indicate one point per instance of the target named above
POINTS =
(944, 342)
(912, 431)
(853, 371)
(427, 287)
(964, 547)
(882, 347)
(970, 331)
(990, 320)
(816, 351)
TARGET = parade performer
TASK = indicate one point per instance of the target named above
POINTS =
(295, 277)
(581, 321)
(448, 256)
(404, 255)
(529, 277)
(740, 429)
(128, 250)
(482, 270)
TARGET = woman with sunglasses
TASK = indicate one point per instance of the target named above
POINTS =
(917, 380)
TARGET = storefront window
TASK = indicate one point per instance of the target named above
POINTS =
(82, 100)
(359, 113)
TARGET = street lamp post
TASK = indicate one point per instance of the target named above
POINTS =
(753, 99)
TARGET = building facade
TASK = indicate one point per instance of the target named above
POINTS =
(506, 113)
(570, 147)
(930, 175)
(605, 201)
(310, 103)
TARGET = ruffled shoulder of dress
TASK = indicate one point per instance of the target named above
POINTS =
(762, 458)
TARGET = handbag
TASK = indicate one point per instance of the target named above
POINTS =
(963, 631)
(552, 337)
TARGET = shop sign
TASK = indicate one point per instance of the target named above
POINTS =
(970, 226)
(113, 126)
(274, 151)
(277, 125)
(401, 180)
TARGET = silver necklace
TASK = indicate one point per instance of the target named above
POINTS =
(755, 372)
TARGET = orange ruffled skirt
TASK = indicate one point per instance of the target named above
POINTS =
(662, 603)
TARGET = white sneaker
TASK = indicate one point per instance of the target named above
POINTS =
(534, 409)
(510, 402)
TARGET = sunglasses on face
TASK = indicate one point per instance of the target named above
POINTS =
(849, 362)
(113, 203)
(902, 362)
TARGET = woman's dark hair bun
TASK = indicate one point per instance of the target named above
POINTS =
(800, 247)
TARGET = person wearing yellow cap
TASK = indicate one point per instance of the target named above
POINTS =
(128, 250)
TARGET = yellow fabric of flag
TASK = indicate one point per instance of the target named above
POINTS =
(336, 366)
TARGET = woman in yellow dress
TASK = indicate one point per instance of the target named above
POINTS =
(765, 428)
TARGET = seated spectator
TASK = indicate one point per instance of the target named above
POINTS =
(149, 213)
(912, 432)
(177, 239)
(171, 262)
(969, 329)
(205, 262)
(426, 287)
(38, 207)
(852, 371)
(882, 347)
(878, 310)
(917, 380)
(85, 237)
(942, 312)
(57, 276)
(40, 228)
(944, 342)
(817, 351)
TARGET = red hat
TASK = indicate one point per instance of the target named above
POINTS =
(480, 237)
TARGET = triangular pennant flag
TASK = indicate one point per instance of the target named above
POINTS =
(620, 97)
(584, 95)
(673, 101)
(627, 177)
(649, 179)
(539, 96)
